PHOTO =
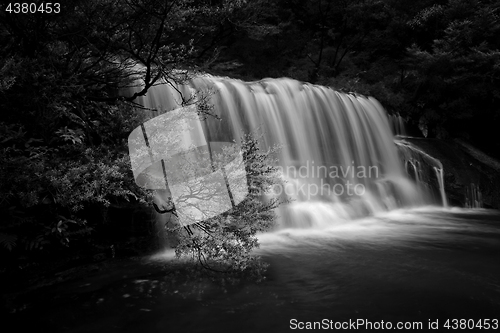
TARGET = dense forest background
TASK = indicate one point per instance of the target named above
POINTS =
(66, 107)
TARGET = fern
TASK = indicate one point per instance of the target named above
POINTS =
(8, 241)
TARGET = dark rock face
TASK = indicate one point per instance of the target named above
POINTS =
(472, 178)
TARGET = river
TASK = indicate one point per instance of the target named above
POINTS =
(424, 265)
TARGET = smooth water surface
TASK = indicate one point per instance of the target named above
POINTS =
(414, 265)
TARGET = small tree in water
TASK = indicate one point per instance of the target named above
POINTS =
(225, 243)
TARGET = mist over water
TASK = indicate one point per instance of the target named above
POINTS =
(425, 226)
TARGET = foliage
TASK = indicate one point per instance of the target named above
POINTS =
(68, 82)
(457, 77)
(46, 189)
(225, 243)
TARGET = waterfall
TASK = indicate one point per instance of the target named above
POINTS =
(397, 125)
(473, 196)
(426, 170)
(440, 177)
(338, 156)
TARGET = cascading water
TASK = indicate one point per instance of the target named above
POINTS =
(397, 125)
(440, 177)
(426, 170)
(473, 196)
(338, 157)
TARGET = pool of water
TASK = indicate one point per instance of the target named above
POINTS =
(407, 266)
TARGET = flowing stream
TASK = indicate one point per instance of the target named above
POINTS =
(409, 266)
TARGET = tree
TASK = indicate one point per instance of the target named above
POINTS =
(334, 29)
(225, 243)
(213, 189)
(458, 75)
(66, 109)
